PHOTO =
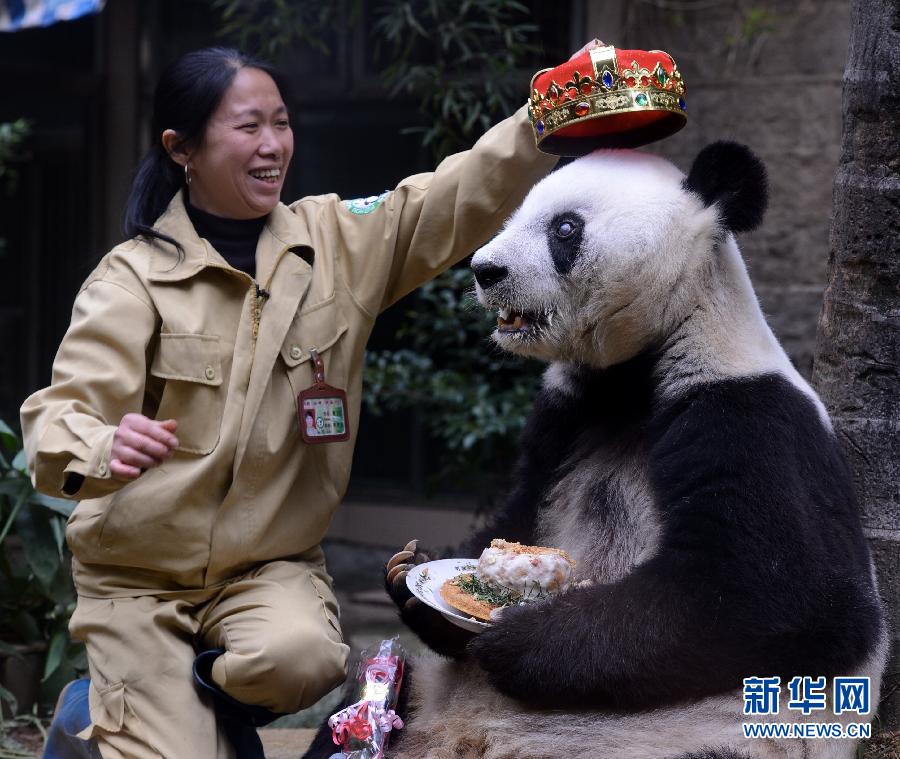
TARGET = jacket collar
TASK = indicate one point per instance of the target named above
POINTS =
(283, 229)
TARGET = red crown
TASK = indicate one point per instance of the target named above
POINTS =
(606, 97)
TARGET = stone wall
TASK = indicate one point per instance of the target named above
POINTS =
(767, 74)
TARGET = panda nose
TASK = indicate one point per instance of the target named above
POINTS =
(489, 274)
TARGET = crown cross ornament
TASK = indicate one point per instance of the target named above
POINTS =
(610, 98)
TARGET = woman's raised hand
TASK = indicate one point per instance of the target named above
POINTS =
(141, 443)
(593, 43)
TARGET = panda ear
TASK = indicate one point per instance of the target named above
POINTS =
(729, 175)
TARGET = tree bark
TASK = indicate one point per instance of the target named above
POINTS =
(857, 363)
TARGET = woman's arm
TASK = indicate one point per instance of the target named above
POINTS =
(99, 377)
(430, 221)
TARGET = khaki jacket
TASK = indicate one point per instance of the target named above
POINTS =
(187, 337)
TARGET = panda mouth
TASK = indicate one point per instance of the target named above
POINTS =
(514, 322)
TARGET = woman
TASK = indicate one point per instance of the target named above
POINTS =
(175, 414)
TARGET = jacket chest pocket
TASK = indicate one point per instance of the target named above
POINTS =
(193, 396)
(321, 328)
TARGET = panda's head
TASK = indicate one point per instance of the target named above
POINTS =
(610, 253)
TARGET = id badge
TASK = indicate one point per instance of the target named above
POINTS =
(322, 409)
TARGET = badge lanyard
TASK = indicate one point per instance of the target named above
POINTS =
(322, 409)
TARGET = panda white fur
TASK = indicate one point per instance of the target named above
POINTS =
(678, 456)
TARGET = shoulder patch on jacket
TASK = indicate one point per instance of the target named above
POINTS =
(366, 205)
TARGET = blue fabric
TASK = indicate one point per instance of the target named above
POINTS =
(20, 14)
(16, 10)
(72, 716)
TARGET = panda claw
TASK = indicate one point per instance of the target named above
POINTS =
(411, 602)
(401, 557)
(411, 546)
(399, 580)
(397, 570)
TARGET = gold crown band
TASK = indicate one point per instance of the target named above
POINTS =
(629, 100)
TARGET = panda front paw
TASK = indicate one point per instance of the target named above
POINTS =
(433, 629)
(396, 569)
(513, 655)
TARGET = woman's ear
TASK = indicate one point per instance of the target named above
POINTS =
(175, 147)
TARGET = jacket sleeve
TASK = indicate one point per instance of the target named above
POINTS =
(99, 375)
(431, 221)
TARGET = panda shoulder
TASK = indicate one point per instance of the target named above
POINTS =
(763, 420)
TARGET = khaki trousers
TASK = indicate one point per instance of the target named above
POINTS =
(283, 650)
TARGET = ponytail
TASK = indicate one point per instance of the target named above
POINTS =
(155, 183)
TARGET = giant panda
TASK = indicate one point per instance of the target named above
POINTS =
(676, 454)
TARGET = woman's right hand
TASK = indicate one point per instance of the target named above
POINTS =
(141, 443)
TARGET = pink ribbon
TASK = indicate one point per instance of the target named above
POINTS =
(359, 721)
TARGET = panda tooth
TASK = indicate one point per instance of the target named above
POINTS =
(504, 314)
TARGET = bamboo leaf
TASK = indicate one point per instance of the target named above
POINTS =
(39, 543)
(55, 653)
(59, 505)
(8, 438)
(77, 657)
(7, 649)
(11, 486)
(10, 699)
(59, 534)
(17, 506)
(20, 462)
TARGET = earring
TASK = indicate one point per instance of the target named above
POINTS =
(187, 174)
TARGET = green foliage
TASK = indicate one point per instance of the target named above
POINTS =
(459, 60)
(12, 137)
(753, 26)
(757, 21)
(268, 28)
(474, 398)
(36, 591)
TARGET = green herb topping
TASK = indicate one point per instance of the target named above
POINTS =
(491, 594)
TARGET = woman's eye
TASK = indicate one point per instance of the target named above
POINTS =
(565, 229)
(248, 126)
(283, 124)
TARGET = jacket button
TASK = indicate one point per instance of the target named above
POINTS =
(296, 353)
(210, 373)
(102, 469)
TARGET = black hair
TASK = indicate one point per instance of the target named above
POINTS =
(188, 92)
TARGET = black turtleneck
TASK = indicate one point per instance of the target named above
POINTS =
(235, 239)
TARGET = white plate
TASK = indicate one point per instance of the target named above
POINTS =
(424, 582)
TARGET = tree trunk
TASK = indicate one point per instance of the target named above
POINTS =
(857, 364)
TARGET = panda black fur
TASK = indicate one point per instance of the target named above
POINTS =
(677, 455)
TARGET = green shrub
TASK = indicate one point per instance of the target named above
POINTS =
(474, 398)
(36, 591)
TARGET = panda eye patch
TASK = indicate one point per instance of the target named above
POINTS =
(564, 233)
